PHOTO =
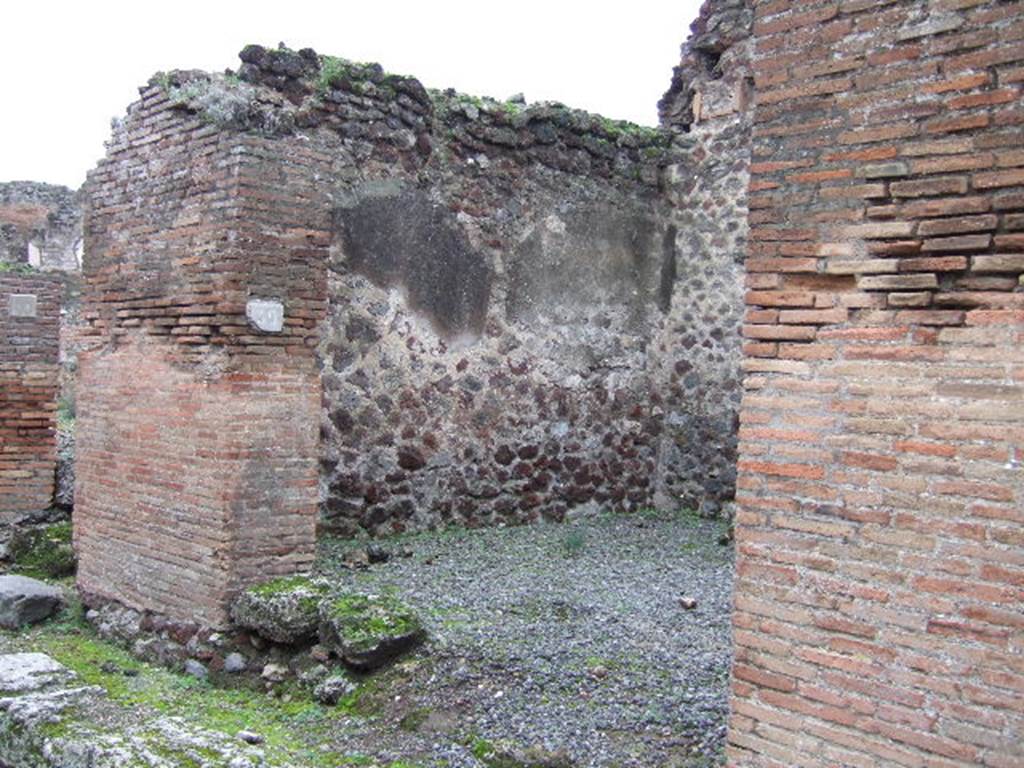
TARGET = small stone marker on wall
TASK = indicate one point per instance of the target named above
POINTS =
(266, 314)
(23, 305)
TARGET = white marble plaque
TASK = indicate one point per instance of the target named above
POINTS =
(23, 305)
(265, 314)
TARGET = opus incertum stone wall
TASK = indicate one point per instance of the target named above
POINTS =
(880, 553)
(29, 330)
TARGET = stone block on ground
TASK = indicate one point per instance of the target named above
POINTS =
(26, 601)
(284, 610)
(48, 719)
(367, 631)
(24, 672)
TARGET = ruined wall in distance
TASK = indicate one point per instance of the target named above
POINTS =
(40, 225)
(880, 561)
(41, 228)
(29, 328)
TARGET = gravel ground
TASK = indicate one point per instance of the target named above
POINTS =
(565, 638)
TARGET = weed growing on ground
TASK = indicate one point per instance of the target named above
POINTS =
(574, 542)
(43, 553)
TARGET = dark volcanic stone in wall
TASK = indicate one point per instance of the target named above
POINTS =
(697, 356)
(543, 412)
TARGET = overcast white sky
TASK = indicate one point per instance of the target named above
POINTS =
(67, 68)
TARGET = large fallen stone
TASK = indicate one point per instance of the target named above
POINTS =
(26, 601)
(284, 610)
(367, 631)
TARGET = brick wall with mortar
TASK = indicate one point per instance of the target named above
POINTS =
(196, 468)
(880, 560)
(41, 227)
(29, 328)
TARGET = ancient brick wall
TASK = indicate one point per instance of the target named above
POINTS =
(502, 280)
(41, 227)
(196, 470)
(880, 561)
(29, 328)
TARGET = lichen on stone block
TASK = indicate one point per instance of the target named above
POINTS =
(367, 631)
(283, 610)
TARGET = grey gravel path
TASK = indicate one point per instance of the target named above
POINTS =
(570, 638)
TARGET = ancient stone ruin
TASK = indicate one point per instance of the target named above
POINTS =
(40, 226)
(319, 296)
(510, 311)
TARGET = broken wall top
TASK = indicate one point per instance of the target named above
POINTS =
(282, 92)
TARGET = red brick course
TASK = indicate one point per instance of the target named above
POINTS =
(28, 395)
(879, 547)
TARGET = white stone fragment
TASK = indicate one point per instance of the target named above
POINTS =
(22, 672)
(266, 314)
(23, 305)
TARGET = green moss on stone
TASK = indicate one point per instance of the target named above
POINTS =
(43, 553)
(362, 620)
(286, 584)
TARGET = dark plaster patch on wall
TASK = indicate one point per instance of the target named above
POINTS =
(401, 239)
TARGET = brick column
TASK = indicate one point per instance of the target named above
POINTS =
(29, 340)
(199, 405)
(880, 555)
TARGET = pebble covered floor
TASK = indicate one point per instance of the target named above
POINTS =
(570, 638)
(600, 642)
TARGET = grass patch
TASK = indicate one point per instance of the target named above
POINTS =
(574, 542)
(43, 553)
(293, 730)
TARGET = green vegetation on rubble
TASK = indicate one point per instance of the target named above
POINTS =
(293, 729)
(359, 78)
(17, 268)
(43, 552)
